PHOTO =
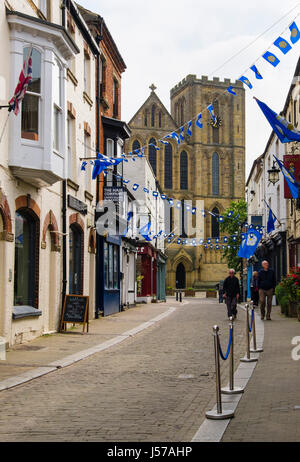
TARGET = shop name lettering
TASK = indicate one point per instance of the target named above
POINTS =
(296, 349)
(155, 451)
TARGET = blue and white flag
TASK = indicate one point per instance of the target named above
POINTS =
(231, 90)
(295, 33)
(271, 58)
(271, 221)
(249, 244)
(211, 111)
(256, 72)
(181, 134)
(283, 45)
(246, 81)
(144, 231)
(188, 130)
(83, 166)
(176, 137)
(285, 130)
(199, 121)
(289, 178)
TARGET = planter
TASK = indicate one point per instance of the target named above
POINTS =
(211, 293)
(170, 292)
(189, 293)
(292, 310)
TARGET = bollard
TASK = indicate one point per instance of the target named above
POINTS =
(254, 349)
(219, 413)
(247, 358)
(231, 390)
(180, 297)
(176, 295)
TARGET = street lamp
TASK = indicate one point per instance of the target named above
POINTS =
(273, 174)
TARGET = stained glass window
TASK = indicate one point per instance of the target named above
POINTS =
(183, 170)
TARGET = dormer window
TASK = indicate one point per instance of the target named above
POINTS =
(31, 103)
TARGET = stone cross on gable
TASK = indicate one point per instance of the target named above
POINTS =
(152, 87)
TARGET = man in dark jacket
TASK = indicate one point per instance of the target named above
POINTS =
(266, 288)
(231, 293)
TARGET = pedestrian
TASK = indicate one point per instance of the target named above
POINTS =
(254, 288)
(266, 289)
(231, 293)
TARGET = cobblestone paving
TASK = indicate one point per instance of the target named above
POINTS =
(270, 407)
(153, 387)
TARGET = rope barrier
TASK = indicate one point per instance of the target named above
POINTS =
(228, 348)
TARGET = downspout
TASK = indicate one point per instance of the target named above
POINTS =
(64, 205)
(99, 37)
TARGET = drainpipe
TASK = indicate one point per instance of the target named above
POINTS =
(64, 205)
(98, 39)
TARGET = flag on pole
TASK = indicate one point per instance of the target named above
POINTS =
(249, 244)
(285, 130)
(271, 221)
(25, 79)
(289, 178)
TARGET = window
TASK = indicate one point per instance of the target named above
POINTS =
(215, 232)
(278, 201)
(152, 155)
(215, 174)
(153, 116)
(168, 166)
(111, 266)
(146, 118)
(57, 101)
(45, 7)
(87, 73)
(115, 98)
(31, 102)
(26, 259)
(87, 153)
(135, 145)
(183, 213)
(69, 146)
(183, 170)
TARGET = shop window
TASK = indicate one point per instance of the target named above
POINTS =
(111, 266)
(30, 119)
(26, 259)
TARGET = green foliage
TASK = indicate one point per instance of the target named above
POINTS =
(232, 226)
(289, 288)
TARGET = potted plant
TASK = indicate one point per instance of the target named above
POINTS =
(288, 294)
(189, 292)
(169, 291)
(211, 293)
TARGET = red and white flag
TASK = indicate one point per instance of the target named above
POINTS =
(24, 80)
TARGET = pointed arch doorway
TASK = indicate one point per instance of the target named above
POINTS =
(180, 276)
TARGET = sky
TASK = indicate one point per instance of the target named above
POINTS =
(162, 41)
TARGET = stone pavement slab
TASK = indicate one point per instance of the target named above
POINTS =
(269, 409)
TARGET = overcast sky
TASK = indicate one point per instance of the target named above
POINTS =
(161, 41)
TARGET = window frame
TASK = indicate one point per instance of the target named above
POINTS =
(184, 185)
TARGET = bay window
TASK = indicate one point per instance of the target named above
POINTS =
(30, 119)
(57, 105)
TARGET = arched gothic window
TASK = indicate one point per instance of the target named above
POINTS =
(135, 145)
(152, 155)
(168, 166)
(183, 170)
(215, 174)
(215, 232)
(153, 116)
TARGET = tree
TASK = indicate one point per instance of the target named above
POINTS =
(232, 225)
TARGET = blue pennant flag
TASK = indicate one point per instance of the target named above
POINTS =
(283, 45)
(163, 142)
(100, 164)
(146, 190)
(271, 221)
(178, 241)
(171, 202)
(115, 160)
(188, 130)
(246, 81)
(126, 181)
(144, 231)
(231, 90)
(256, 72)
(284, 130)
(289, 178)
(211, 111)
(135, 186)
(157, 149)
(249, 244)
(199, 121)
(129, 217)
(176, 137)
(182, 133)
(155, 194)
(271, 58)
(163, 196)
(295, 33)
(83, 166)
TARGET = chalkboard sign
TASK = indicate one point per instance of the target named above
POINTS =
(75, 310)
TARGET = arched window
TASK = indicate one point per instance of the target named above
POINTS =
(183, 170)
(152, 155)
(159, 119)
(168, 166)
(75, 260)
(215, 174)
(215, 232)
(135, 145)
(31, 101)
(184, 224)
(153, 116)
(146, 118)
(26, 258)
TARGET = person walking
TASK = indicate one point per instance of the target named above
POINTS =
(266, 289)
(254, 288)
(231, 293)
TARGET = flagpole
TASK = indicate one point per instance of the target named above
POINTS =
(5, 125)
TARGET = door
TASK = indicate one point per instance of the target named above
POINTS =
(180, 276)
(75, 259)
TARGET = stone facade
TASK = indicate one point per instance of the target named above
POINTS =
(204, 187)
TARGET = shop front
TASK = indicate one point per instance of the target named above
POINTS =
(146, 273)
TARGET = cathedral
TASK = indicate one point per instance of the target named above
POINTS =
(206, 170)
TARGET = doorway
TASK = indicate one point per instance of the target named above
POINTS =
(75, 260)
(180, 276)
